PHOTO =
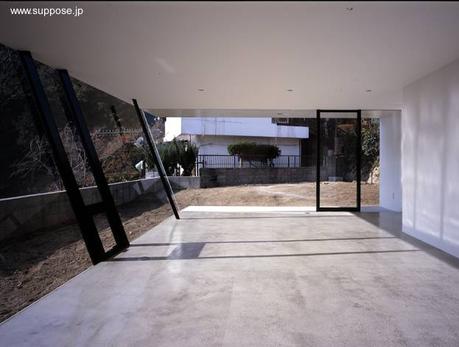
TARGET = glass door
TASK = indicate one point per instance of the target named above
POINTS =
(338, 160)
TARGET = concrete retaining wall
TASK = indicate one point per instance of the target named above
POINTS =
(240, 176)
(29, 213)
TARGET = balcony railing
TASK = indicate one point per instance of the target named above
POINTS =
(217, 161)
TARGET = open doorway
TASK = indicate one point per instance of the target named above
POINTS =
(246, 161)
(283, 173)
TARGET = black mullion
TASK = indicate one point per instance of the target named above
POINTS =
(156, 158)
(318, 161)
(79, 122)
(359, 157)
(86, 223)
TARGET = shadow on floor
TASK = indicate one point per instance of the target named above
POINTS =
(391, 222)
(189, 251)
(251, 216)
(265, 241)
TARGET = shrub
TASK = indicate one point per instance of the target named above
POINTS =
(187, 153)
(252, 151)
(242, 148)
(169, 156)
(176, 154)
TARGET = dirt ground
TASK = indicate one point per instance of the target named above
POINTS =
(296, 194)
(36, 263)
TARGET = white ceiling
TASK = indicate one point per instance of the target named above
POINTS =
(244, 55)
(272, 113)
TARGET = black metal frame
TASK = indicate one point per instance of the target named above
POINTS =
(108, 204)
(84, 214)
(85, 222)
(358, 161)
(156, 158)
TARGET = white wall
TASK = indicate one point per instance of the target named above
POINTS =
(390, 185)
(232, 126)
(430, 158)
(172, 128)
(219, 144)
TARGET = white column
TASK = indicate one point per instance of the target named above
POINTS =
(390, 186)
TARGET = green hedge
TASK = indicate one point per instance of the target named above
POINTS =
(253, 151)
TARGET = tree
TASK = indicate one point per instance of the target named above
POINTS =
(187, 153)
(37, 164)
(370, 147)
(342, 133)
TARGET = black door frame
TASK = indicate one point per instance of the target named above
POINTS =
(358, 150)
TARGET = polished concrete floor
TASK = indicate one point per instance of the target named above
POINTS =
(256, 279)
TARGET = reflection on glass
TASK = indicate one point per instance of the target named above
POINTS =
(338, 160)
(120, 144)
(70, 139)
(36, 232)
(115, 131)
(370, 162)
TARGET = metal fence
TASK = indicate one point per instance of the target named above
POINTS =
(217, 161)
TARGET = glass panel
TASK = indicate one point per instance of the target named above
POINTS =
(37, 245)
(38, 237)
(26, 166)
(120, 144)
(370, 162)
(69, 136)
(338, 160)
(104, 230)
(115, 132)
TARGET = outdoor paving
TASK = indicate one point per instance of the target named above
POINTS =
(264, 278)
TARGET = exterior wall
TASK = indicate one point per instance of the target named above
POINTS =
(232, 126)
(390, 185)
(219, 144)
(173, 128)
(240, 176)
(25, 214)
(430, 159)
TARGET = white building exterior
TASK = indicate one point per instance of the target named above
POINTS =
(213, 135)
